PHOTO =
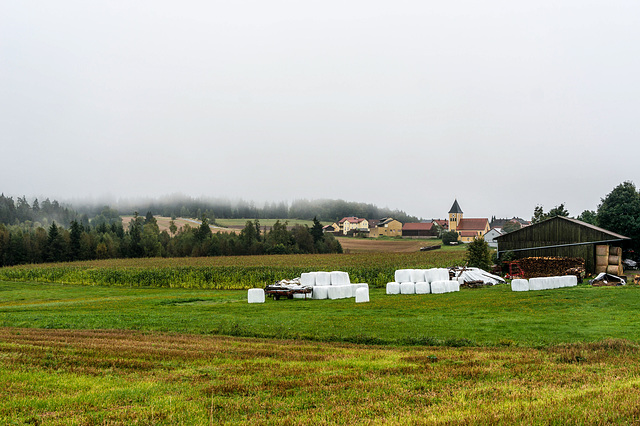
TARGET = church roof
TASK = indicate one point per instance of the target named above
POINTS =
(475, 224)
(455, 208)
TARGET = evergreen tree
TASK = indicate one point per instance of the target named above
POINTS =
(478, 254)
(316, 230)
(75, 235)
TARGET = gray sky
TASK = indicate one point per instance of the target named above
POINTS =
(404, 104)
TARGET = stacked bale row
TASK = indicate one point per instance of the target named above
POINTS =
(609, 260)
(544, 283)
(549, 266)
(330, 285)
(422, 281)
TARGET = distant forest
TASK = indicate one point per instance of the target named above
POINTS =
(180, 206)
(50, 232)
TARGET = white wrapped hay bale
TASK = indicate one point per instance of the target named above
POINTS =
(439, 287)
(453, 285)
(437, 274)
(339, 278)
(519, 285)
(334, 292)
(417, 275)
(362, 294)
(557, 282)
(256, 295)
(308, 279)
(302, 295)
(407, 288)
(323, 278)
(402, 275)
(537, 283)
(393, 288)
(320, 292)
(571, 281)
(423, 288)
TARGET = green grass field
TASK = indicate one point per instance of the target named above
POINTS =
(161, 346)
(229, 223)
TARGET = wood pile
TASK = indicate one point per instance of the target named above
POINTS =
(609, 260)
(552, 266)
(474, 284)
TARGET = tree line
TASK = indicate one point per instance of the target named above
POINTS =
(181, 206)
(21, 244)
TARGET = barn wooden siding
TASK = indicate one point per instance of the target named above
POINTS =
(578, 239)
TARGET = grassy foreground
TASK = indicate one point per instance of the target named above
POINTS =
(114, 377)
(484, 317)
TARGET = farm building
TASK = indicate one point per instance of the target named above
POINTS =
(561, 237)
(419, 230)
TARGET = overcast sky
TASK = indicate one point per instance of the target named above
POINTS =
(407, 104)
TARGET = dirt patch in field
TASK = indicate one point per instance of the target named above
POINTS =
(363, 245)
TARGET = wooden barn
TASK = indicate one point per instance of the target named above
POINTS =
(561, 237)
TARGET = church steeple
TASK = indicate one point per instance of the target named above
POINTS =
(455, 215)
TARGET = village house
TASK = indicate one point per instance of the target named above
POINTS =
(423, 229)
(353, 223)
(388, 227)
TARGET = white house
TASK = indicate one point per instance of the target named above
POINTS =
(490, 237)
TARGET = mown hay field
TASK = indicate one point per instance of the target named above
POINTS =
(62, 377)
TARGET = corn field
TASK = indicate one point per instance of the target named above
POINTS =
(226, 273)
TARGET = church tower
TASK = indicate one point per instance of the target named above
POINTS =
(455, 215)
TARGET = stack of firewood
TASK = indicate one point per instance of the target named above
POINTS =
(551, 266)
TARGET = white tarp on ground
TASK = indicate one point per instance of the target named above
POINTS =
(477, 274)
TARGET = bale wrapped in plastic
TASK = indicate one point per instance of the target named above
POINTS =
(320, 292)
(402, 275)
(393, 288)
(339, 278)
(437, 274)
(362, 295)
(407, 288)
(571, 281)
(453, 285)
(557, 282)
(537, 283)
(417, 275)
(439, 287)
(323, 278)
(302, 295)
(308, 279)
(519, 285)
(355, 287)
(255, 295)
(423, 288)
(335, 292)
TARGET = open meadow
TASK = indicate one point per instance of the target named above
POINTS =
(169, 351)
